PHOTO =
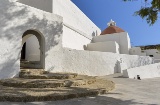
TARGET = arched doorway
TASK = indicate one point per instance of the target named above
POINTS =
(28, 45)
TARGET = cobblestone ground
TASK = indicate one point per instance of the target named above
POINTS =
(127, 92)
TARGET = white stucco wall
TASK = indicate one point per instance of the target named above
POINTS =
(45, 5)
(32, 49)
(96, 63)
(72, 39)
(148, 71)
(156, 60)
(74, 17)
(82, 27)
(109, 46)
(17, 18)
(136, 51)
(76, 24)
(154, 52)
(121, 38)
(121, 66)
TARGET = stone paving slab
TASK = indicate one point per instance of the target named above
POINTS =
(41, 74)
(48, 83)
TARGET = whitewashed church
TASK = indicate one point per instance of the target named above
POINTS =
(57, 36)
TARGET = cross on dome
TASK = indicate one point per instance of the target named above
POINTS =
(111, 23)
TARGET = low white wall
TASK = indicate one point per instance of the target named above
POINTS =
(156, 60)
(143, 54)
(136, 51)
(121, 38)
(154, 52)
(109, 46)
(148, 71)
(32, 49)
(157, 56)
(45, 5)
(94, 62)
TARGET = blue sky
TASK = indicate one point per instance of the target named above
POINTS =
(101, 11)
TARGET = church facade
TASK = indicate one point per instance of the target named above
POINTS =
(57, 36)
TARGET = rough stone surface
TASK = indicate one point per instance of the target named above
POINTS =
(127, 92)
(41, 74)
(48, 83)
(28, 90)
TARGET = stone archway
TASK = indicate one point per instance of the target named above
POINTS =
(41, 40)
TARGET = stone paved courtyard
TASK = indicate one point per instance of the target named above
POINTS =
(127, 92)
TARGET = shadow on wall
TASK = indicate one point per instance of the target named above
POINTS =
(93, 34)
(142, 61)
(12, 14)
(9, 67)
(85, 47)
(14, 21)
(116, 67)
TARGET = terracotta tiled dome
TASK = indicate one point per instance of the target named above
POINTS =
(112, 28)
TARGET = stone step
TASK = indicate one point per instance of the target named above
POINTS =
(33, 71)
(51, 94)
(23, 83)
(48, 83)
(25, 61)
(41, 74)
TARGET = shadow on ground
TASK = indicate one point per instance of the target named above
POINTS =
(99, 100)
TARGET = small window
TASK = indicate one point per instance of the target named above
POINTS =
(142, 51)
(151, 55)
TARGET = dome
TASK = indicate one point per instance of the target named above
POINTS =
(112, 28)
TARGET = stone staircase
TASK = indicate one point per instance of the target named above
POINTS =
(39, 85)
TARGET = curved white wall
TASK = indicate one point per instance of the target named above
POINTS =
(17, 18)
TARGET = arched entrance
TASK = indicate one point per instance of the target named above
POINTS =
(29, 46)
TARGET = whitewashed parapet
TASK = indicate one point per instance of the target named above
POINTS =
(95, 63)
(148, 71)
